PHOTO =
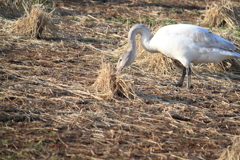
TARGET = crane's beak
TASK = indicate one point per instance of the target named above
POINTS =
(119, 69)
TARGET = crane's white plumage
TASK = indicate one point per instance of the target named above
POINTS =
(184, 42)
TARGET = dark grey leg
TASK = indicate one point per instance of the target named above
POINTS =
(189, 72)
(180, 82)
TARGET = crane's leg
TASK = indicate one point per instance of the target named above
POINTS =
(180, 82)
(189, 73)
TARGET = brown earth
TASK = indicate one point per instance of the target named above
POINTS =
(48, 112)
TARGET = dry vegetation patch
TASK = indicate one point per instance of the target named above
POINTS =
(223, 14)
(34, 22)
(110, 85)
(59, 99)
(232, 152)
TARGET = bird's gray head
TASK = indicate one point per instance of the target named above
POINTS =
(125, 60)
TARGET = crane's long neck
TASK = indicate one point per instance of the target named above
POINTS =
(145, 38)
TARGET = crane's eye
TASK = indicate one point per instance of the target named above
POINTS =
(120, 59)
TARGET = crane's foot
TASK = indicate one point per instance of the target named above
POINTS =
(191, 87)
(187, 87)
(178, 85)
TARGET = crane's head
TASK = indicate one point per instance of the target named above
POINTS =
(125, 60)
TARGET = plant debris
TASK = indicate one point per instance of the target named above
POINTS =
(232, 152)
(111, 85)
(223, 14)
(34, 23)
(60, 99)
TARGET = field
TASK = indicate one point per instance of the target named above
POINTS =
(49, 109)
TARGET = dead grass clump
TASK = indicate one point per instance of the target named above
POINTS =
(157, 63)
(34, 23)
(229, 65)
(232, 152)
(221, 15)
(110, 85)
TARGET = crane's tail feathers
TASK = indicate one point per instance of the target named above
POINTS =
(219, 51)
(236, 54)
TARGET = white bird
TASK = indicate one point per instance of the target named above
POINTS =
(184, 42)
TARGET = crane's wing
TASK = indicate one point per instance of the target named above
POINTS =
(205, 38)
(198, 35)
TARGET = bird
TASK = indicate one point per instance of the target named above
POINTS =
(186, 43)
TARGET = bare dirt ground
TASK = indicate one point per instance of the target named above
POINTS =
(48, 112)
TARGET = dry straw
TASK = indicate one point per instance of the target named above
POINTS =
(156, 62)
(232, 152)
(229, 65)
(219, 15)
(34, 22)
(110, 85)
